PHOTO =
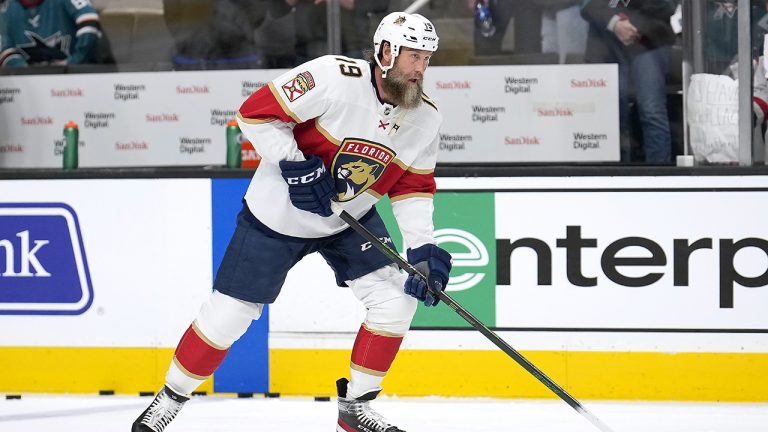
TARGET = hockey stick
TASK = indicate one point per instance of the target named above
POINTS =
(468, 317)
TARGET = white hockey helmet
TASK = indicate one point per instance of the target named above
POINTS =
(402, 29)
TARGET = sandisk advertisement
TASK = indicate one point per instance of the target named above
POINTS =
(102, 263)
(46, 269)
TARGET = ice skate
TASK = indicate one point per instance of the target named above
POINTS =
(355, 415)
(160, 412)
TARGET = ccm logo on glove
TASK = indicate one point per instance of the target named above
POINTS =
(310, 187)
(306, 179)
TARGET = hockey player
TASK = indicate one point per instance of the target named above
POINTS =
(43, 32)
(333, 128)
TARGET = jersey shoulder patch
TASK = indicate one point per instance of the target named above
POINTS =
(298, 85)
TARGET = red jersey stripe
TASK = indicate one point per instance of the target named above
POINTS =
(413, 183)
(312, 139)
(266, 104)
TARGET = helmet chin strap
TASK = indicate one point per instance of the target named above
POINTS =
(385, 69)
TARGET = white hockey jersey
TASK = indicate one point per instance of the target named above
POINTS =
(329, 107)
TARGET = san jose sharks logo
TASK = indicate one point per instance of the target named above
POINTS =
(358, 165)
(41, 50)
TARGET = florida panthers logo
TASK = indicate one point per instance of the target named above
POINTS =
(358, 165)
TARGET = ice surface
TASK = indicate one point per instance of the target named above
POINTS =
(45, 413)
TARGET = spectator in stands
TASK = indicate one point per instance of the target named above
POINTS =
(526, 25)
(311, 26)
(311, 29)
(720, 33)
(48, 32)
(636, 34)
(357, 29)
(759, 78)
(218, 34)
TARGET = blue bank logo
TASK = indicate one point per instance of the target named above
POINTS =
(43, 269)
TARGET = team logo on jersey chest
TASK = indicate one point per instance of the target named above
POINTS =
(358, 165)
(298, 86)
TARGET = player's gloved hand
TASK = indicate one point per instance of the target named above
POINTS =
(434, 263)
(309, 185)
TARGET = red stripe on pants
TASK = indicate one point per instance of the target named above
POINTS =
(197, 356)
(375, 351)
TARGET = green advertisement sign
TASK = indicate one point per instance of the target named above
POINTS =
(464, 226)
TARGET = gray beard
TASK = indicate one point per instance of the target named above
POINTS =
(401, 92)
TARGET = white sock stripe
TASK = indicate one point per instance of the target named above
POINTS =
(180, 381)
(361, 383)
(384, 333)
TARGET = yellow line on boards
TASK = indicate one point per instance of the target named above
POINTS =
(731, 377)
(734, 377)
(85, 370)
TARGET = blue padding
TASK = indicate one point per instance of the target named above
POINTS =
(246, 367)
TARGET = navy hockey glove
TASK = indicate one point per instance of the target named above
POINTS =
(309, 185)
(434, 263)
